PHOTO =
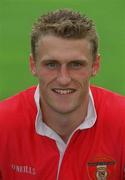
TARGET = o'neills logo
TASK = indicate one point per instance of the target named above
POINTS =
(23, 169)
(101, 168)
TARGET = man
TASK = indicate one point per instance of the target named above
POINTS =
(63, 129)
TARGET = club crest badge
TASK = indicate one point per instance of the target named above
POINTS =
(101, 168)
(101, 172)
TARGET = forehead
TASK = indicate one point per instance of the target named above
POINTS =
(59, 48)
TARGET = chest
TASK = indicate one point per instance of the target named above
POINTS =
(89, 155)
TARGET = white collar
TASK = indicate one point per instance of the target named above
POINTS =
(43, 129)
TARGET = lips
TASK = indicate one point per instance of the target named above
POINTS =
(63, 91)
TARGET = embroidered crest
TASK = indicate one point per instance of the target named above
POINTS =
(101, 168)
(101, 172)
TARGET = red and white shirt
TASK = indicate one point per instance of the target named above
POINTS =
(29, 150)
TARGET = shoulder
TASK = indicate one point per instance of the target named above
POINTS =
(21, 97)
(17, 105)
(106, 97)
(110, 107)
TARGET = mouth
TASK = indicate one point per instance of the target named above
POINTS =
(63, 91)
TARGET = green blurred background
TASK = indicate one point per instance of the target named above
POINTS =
(16, 19)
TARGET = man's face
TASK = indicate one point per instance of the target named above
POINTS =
(63, 69)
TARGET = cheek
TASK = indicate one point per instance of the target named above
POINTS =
(83, 78)
(45, 76)
(82, 75)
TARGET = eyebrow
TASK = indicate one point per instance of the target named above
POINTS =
(49, 60)
(46, 60)
(78, 60)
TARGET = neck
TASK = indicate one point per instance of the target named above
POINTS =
(65, 124)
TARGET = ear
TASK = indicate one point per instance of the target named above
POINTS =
(96, 65)
(32, 65)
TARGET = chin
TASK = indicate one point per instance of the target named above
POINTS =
(64, 109)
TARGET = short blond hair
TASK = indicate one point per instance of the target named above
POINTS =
(67, 24)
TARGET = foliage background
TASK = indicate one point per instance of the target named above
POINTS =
(16, 19)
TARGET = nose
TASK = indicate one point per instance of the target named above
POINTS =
(63, 76)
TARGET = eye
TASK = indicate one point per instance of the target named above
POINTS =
(51, 65)
(76, 65)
